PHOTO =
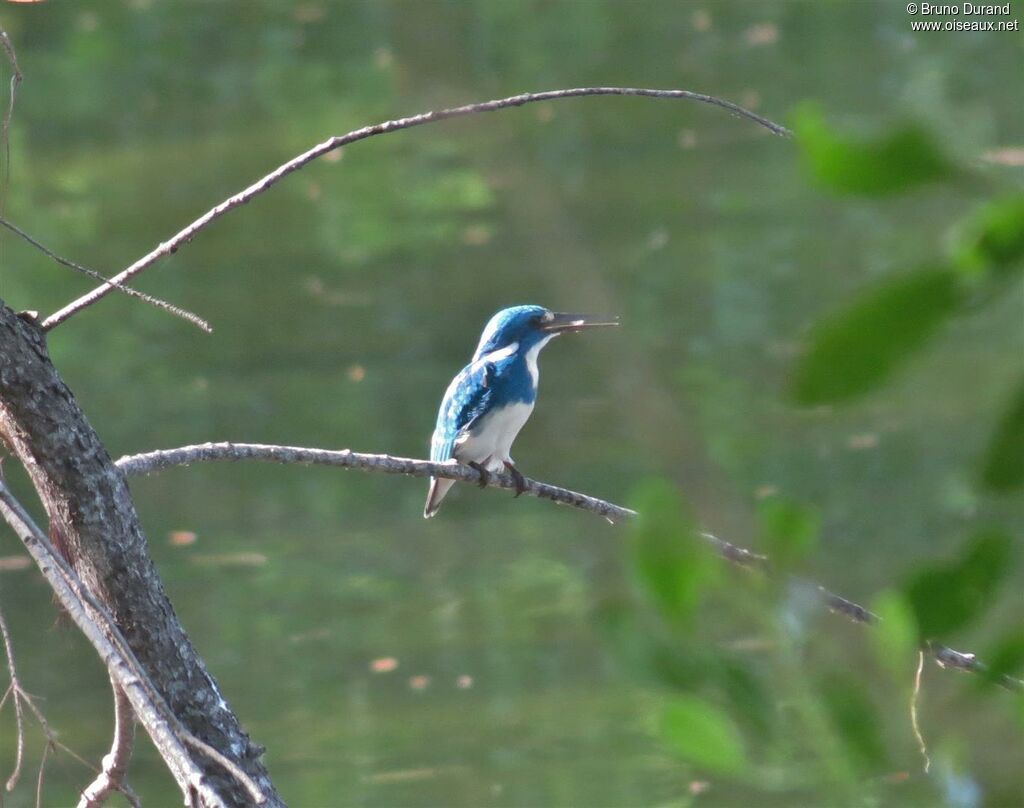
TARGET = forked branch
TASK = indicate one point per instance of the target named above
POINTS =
(14, 691)
(21, 699)
(189, 232)
(102, 632)
(156, 302)
(111, 776)
(149, 462)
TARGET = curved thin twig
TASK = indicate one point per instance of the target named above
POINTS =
(42, 773)
(148, 462)
(188, 233)
(5, 127)
(16, 692)
(22, 699)
(111, 776)
(177, 311)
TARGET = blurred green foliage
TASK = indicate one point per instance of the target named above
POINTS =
(855, 718)
(789, 531)
(859, 349)
(672, 564)
(1005, 658)
(703, 735)
(992, 240)
(895, 639)
(900, 159)
(855, 351)
(947, 597)
(851, 354)
(1004, 461)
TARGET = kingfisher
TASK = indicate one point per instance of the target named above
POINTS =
(490, 400)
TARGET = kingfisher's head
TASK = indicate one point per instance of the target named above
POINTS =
(529, 326)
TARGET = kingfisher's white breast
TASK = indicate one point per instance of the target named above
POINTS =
(490, 440)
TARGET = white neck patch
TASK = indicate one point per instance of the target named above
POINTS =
(531, 358)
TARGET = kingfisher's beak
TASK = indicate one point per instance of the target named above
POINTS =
(561, 323)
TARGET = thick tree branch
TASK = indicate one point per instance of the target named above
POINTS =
(90, 507)
(99, 629)
(98, 625)
(188, 233)
(148, 462)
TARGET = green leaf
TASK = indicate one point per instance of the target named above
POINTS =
(856, 719)
(1006, 658)
(789, 530)
(672, 565)
(1003, 468)
(639, 648)
(748, 696)
(894, 639)
(855, 351)
(703, 735)
(993, 239)
(950, 596)
(887, 164)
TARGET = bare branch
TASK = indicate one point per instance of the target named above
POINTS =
(177, 311)
(223, 760)
(5, 128)
(171, 691)
(188, 233)
(95, 622)
(345, 458)
(22, 697)
(19, 715)
(42, 773)
(149, 462)
(115, 763)
(124, 731)
(15, 80)
(915, 725)
(5, 139)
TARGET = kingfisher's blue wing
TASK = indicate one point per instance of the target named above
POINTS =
(468, 397)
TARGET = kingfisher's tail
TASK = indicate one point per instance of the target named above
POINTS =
(438, 489)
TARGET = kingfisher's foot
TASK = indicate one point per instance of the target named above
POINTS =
(518, 477)
(485, 475)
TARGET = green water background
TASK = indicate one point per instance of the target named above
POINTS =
(344, 299)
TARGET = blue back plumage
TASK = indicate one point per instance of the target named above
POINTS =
(491, 399)
(498, 375)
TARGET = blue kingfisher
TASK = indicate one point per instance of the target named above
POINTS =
(487, 404)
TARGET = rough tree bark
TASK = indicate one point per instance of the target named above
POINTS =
(89, 506)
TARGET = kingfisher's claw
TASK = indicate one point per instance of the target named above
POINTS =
(485, 475)
(518, 477)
